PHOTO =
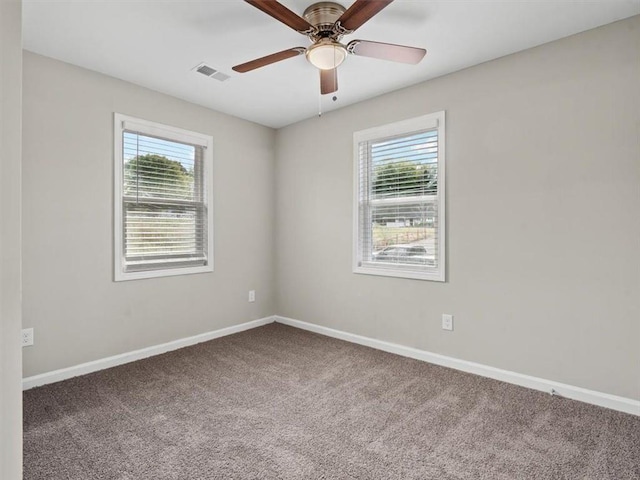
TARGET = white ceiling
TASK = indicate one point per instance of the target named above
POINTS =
(156, 44)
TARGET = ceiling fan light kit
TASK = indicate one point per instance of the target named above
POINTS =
(326, 54)
(325, 23)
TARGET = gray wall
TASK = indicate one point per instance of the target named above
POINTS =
(10, 131)
(79, 313)
(543, 259)
(542, 196)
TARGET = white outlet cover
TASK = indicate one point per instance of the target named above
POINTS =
(447, 322)
(252, 295)
(27, 337)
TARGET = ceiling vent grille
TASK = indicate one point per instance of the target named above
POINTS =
(211, 72)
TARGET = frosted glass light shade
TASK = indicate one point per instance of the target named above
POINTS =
(326, 54)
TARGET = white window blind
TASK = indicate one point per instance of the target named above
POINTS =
(164, 213)
(399, 199)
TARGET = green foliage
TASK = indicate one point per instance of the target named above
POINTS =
(154, 175)
(404, 178)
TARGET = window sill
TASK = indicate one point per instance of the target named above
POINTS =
(167, 272)
(432, 275)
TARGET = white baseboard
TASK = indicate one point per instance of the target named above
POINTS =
(104, 363)
(600, 399)
(606, 400)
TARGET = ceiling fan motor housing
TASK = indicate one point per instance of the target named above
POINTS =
(323, 16)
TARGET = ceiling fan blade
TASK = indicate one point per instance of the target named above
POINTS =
(359, 13)
(283, 14)
(328, 81)
(386, 51)
(269, 59)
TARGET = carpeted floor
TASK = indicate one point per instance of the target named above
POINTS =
(281, 403)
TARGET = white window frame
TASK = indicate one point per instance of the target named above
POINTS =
(124, 122)
(426, 122)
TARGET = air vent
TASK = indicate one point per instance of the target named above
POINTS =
(211, 72)
(206, 70)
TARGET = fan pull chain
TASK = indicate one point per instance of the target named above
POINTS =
(320, 105)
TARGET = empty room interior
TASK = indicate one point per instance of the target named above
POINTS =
(297, 240)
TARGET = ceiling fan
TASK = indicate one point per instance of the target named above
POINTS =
(325, 23)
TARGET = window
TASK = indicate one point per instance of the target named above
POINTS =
(399, 199)
(163, 194)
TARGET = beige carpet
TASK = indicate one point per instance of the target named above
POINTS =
(281, 403)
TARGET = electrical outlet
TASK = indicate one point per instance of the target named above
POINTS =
(27, 337)
(252, 295)
(447, 321)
